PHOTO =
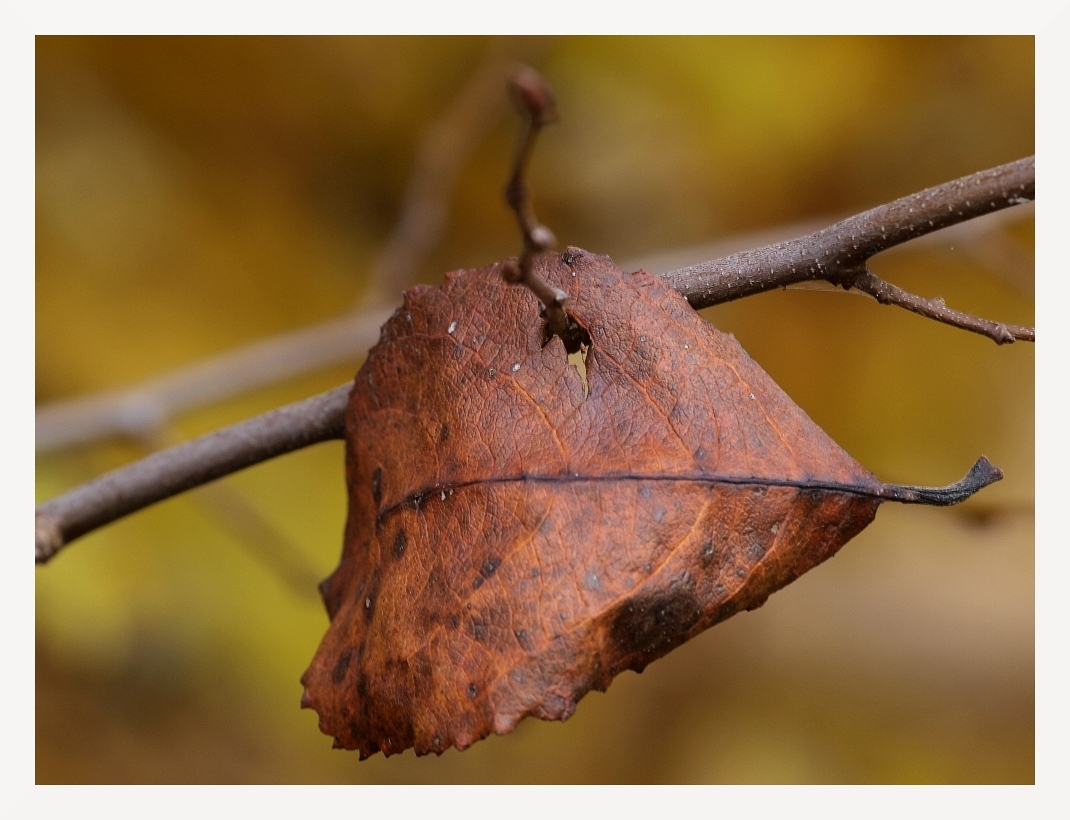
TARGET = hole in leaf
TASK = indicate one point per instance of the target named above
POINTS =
(579, 361)
(577, 343)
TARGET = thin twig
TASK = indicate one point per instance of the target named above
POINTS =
(442, 154)
(969, 236)
(889, 294)
(140, 410)
(534, 101)
(169, 472)
(262, 540)
(834, 254)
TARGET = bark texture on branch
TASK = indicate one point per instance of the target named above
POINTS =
(837, 254)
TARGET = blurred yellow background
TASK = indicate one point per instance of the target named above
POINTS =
(194, 194)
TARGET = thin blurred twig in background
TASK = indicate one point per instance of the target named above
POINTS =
(141, 409)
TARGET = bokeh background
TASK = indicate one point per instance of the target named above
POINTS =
(195, 194)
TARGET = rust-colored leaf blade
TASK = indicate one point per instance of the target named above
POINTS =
(512, 544)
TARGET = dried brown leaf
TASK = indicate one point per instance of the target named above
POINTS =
(512, 543)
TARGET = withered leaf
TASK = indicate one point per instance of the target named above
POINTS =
(512, 544)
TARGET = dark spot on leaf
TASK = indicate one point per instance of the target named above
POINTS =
(377, 485)
(490, 566)
(651, 625)
(523, 638)
(472, 690)
(478, 582)
(756, 550)
(339, 672)
(445, 432)
(401, 540)
(479, 630)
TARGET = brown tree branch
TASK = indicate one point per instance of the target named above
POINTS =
(133, 411)
(973, 238)
(169, 472)
(836, 254)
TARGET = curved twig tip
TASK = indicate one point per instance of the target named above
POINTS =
(531, 96)
(981, 474)
(47, 538)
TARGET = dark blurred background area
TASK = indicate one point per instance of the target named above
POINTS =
(195, 194)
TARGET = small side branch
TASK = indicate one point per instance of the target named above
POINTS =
(839, 253)
(889, 294)
(169, 472)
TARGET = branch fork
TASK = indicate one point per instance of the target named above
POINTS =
(839, 254)
(886, 293)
